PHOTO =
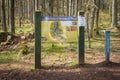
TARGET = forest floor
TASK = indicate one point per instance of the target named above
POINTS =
(62, 65)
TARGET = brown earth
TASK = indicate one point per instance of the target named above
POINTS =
(99, 71)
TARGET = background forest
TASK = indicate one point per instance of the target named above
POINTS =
(14, 13)
(59, 60)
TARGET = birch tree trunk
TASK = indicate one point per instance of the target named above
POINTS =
(69, 8)
(92, 18)
(97, 16)
(114, 14)
(87, 29)
(76, 8)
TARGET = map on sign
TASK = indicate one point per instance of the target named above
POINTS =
(59, 29)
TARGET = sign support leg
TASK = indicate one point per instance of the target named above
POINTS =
(38, 39)
(81, 43)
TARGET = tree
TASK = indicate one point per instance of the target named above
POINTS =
(8, 13)
(69, 8)
(76, 7)
(28, 9)
(12, 16)
(50, 7)
(97, 16)
(4, 16)
(20, 10)
(110, 10)
(114, 14)
(0, 11)
(36, 4)
(92, 18)
(87, 26)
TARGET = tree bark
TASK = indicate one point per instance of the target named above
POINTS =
(0, 11)
(36, 4)
(12, 16)
(114, 14)
(58, 10)
(63, 10)
(4, 16)
(87, 29)
(50, 7)
(8, 13)
(97, 16)
(110, 11)
(92, 18)
(76, 7)
(67, 7)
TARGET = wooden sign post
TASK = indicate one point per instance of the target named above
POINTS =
(81, 43)
(38, 20)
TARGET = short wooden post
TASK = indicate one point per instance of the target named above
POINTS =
(107, 45)
(38, 39)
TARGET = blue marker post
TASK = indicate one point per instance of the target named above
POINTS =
(107, 45)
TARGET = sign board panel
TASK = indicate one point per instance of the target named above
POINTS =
(59, 29)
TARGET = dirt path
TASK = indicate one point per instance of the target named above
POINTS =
(99, 71)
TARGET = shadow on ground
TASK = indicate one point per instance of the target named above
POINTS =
(100, 71)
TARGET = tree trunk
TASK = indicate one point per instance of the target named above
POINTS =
(87, 29)
(110, 11)
(0, 11)
(92, 17)
(20, 13)
(4, 16)
(28, 9)
(72, 8)
(12, 17)
(50, 7)
(36, 4)
(76, 8)
(33, 7)
(43, 3)
(92, 23)
(97, 16)
(8, 13)
(67, 7)
(63, 8)
(114, 14)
